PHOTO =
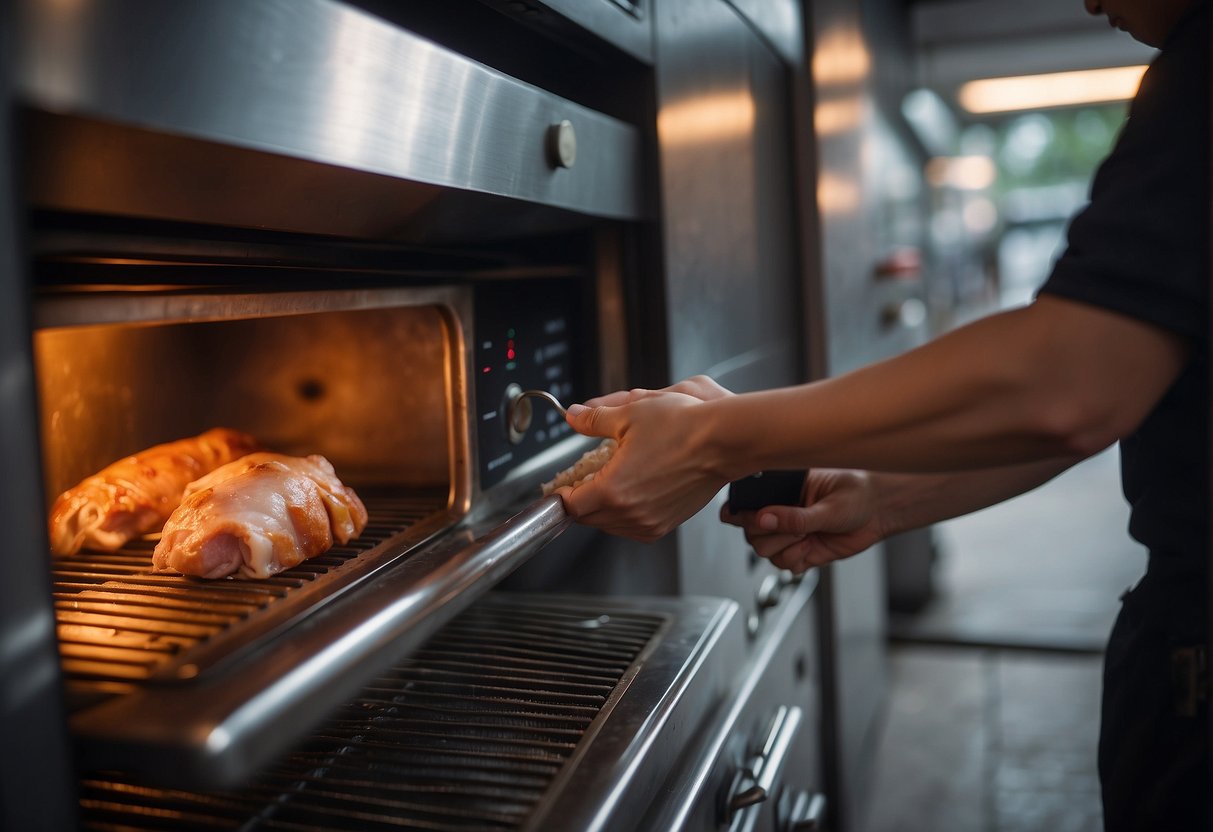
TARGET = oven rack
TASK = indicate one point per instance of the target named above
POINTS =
(480, 729)
(216, 728)
(121, 625)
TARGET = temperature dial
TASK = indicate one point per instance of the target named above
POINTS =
(518, 413)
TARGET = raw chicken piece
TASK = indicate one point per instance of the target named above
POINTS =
(136, 495)
(257, 516)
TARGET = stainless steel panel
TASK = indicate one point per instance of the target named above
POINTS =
(733, 286)
(316, 80)
(867, 188)
(36, 784)
(783, 674)
(724, 135)
(781, 22)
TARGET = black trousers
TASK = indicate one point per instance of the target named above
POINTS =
(1154, 760)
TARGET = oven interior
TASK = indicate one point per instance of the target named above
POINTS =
(380, 407)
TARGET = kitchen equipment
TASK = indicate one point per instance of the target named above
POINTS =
(342, 228)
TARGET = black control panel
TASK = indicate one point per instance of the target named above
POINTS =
(529, 336)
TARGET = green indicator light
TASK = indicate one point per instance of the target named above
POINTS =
(509, 333)
(511, 365)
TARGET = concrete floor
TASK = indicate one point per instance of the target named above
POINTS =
(988, 740)
(993, 712)
(1044, 570)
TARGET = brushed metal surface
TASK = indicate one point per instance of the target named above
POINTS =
(36, 787)
(732, 282)
(784, 671)
(316, 80)
(780, 22)
(732, 278)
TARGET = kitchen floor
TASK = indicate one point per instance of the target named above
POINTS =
(988, 740)
(993, 712)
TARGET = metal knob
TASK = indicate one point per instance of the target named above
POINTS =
(744, 791)
(747, 797)
(769, 591)
(757, 780)
(518, 410)
(908, 313)
(517, 414)
(562, 144)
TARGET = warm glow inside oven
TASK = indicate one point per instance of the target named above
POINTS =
(376, 391)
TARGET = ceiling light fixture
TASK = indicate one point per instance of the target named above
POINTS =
(1055, 89)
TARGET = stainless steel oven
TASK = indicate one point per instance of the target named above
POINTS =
(356, 230)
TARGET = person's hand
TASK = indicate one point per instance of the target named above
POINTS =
(699, 387)
(840, 517)
(655, 480)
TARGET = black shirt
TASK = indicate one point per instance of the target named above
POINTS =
(1142, 248)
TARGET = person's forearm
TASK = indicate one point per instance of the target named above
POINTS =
(911, 501)
(1052, 380)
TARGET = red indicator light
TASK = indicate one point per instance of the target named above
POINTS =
(486, 369)
(509, 354)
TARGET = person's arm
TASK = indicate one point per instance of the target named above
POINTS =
(1055, 379)
(845, 512)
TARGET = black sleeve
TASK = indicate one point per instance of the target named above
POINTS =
(1141, 247)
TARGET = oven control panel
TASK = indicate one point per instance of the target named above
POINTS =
(528, 336)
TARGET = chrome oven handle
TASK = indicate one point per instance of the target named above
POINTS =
(755, 784)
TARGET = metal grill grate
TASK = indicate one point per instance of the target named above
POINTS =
(120, 624)
(469, 733)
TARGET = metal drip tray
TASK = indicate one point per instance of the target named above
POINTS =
(120, 624)
(483, 726)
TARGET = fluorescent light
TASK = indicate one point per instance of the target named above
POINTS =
(1055, 89)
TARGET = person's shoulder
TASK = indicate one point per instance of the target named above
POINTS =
(1176, 85)
(1189, 40)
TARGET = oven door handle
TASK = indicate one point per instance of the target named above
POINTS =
(758, 779)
